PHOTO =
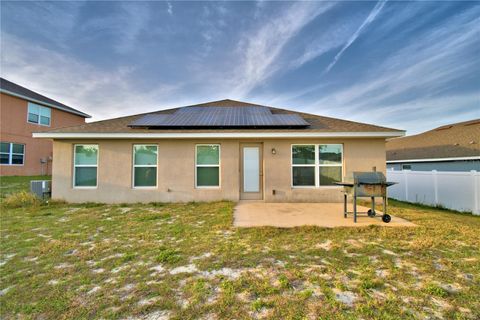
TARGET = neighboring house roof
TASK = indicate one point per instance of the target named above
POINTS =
(453, 141)
(318, 126)
(16, 90)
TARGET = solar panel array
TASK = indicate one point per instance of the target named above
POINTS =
(236, 117)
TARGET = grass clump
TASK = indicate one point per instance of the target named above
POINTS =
(260, 304)
(284, 282)
(21, 199)
(129, 257)
(168, 255)
(435, 290)
(154, 216)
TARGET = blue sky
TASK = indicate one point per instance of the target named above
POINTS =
(407, 65)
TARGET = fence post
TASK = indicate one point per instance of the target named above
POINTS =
(406, 183)
(435, 185)
(476, 200)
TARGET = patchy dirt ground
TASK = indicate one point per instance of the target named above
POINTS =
(186, 261)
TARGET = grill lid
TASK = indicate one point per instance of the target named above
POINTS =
(359, 178)
(369, 178)
(365, 178)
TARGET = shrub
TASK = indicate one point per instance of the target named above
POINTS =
(21, 199)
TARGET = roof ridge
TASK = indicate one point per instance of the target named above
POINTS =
(457, 124)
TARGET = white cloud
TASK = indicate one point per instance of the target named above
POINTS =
(371, 17)
(51, 22)
(129, 24)
(426, 113)
(409, 86)
(77, 84)
(428, 62)
(260, 50)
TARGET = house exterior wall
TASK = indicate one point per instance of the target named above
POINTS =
(464, 165)
(176, 171)
(15, 128)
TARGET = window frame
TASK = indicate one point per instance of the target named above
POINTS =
(316, 165)
(302, 165)
(219, 165)
(40, 107)
(11, 153)
(143, 166)
(84, 165)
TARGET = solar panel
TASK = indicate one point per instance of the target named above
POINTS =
(237, 117)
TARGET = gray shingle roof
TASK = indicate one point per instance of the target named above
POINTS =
(449, 141)
(14, 89)
(317, 123)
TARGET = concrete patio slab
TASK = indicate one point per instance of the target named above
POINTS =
(288, 215)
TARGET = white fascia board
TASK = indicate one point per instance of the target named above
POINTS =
(214, 135)
(44, 103)
(435, 159)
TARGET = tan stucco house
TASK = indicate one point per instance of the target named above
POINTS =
(213, 151)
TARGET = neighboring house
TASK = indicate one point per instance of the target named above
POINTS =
(453, 147)
(22, 112)
(212, 151)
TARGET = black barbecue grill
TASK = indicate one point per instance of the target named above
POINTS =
(366, 184)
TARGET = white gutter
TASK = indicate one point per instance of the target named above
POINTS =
(45, 103)
(435, 159)
(216, 135)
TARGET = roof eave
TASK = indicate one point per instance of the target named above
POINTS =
(215, 135)
(45, 103)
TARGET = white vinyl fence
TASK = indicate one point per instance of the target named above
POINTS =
(454, 190)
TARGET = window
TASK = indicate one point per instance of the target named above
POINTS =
(12, 153)
(316, 165)
(330, 164)
(38, 114)
(85, 165)
(145, 165)
(303, 165)
(207, 165)
(406, 167)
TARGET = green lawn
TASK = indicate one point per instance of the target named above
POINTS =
(186, 261)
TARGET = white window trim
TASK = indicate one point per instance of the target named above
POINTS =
(11, 153)
(143, 166)
(39, 112)
(316, 165)
(84, 165)
(209, 165)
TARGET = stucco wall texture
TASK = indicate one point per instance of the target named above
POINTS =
(15, 128)
(176, 171)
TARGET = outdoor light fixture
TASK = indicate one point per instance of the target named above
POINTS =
(274, 151)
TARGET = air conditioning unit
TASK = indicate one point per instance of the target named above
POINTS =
(41, 188)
